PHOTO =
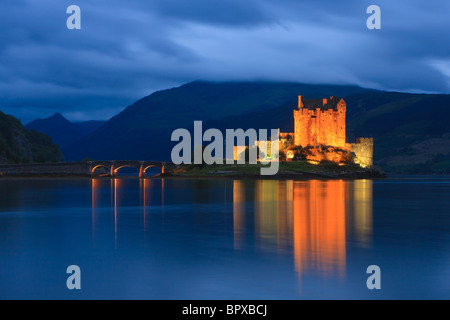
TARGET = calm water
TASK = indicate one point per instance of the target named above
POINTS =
(225, 239)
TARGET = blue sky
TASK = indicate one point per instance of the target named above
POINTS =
(128, 49)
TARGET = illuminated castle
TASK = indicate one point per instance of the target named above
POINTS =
(319, 128)
(321, 122)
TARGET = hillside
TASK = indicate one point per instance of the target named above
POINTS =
(19, 145)
(411, 131)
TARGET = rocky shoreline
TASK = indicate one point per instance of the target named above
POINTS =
(365, 173)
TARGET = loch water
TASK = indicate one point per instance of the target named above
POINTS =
(225, 239)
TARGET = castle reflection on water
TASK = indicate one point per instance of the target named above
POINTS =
(311, 220)
(311, 217)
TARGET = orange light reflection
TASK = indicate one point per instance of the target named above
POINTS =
(311, 218)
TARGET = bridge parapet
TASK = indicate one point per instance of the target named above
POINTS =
(85, 168)
(46, 169)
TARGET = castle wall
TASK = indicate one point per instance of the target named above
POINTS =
(363, 149)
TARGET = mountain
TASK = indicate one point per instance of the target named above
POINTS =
(56, 126)
(411, 133)
(19, 145)
(61, 130)
(143, 130)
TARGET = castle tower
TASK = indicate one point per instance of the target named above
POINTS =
(320, 121)
(302, 124)
(341, 130)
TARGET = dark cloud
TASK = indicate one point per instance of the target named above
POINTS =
(127, 49)
(215, 12)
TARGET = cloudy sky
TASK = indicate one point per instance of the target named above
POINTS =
(128, 49)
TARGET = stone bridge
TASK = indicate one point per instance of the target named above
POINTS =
(85, 168)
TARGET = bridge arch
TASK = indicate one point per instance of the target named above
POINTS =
(107, 169)
(144, 171)
(116, 169)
